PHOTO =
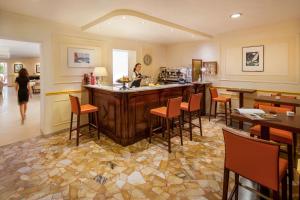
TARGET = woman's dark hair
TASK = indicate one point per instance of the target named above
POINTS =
(137, 64)
(23, 73)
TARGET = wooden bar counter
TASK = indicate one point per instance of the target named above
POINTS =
(124, 114)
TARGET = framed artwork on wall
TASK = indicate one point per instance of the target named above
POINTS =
(196, 69)
(253, 59)
(79, 57)
(211, 68)
(17, 67)
(37, 68)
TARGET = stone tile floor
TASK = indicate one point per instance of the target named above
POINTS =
(54, 168)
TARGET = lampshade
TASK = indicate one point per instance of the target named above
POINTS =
(100, 71)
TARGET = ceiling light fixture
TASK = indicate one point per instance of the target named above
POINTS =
(235, 15)
(123, 17)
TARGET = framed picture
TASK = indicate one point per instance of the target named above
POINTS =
(196, 69)
(253, 59)
(37, 68)
(211, 68)
(17, 67)
(81, 57)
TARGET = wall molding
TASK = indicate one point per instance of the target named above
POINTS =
(63, 92)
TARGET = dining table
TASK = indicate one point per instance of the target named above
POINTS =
(277, 100)
(241, 92)
(280, 121)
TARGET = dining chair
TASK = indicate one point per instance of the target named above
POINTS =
(280, 136)
(192, 106)
(215, 98)
(79, 110)
(256, 160)
(169, 113)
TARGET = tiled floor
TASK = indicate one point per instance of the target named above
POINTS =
(54, 168)
(11, 129)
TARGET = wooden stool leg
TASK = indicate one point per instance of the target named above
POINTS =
(284, 187)
(200, 123)
(77, 129)
(295, 145)
(210, 109)
(216, 105)
(71, 125)
(164, 124)
(190, 126)
(90, 120)
(182, 120)
(169, 137)
(236, 179)
(290, 170)
(150, 132)
(225, 184)
(226, 113)
(98, 124)
(180, 130)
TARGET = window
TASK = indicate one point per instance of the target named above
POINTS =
(123, 62)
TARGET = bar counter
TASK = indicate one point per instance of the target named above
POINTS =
(124, 114)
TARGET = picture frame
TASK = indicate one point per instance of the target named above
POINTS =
(37, 68)
(196, 69)
(17, 67)
(81, 58)
(253, 58)
(211, 67)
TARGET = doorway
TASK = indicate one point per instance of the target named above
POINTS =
(20, 55)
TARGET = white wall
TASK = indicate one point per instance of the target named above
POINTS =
(282, 54)
(56, 76)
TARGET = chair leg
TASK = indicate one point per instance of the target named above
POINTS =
(290, 170)
(236, 180)
(71, 125)
(169, 137)
(284, 188)
(190, 126)
(150, 132)
(200, 123)
(90, 120)
(226, 113)
(78, 129)
(164, 124)
(225, 184)
(182, 116)
(98, 124)
(210, 109)
(216, 105)
(180, 130)
(295, 145)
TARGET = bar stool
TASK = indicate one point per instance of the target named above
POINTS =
(170, 112)
(192, 106)
(79, 110)
(254, 159)
(280, 136)
(214, 97)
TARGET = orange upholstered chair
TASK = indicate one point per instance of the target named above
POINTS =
(215, 98)
(79, 110)
(193, 105)
(278, 135)
(253, 159)
(171, 112)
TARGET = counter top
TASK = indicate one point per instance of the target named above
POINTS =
(139, 89)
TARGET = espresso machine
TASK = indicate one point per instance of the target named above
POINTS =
(175, 75)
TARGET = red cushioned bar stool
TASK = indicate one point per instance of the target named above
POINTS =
(169, 113)
(192, 106)
(79, 110)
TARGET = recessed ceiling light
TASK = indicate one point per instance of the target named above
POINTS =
(172, 30)
(143, 22)
(123, 17)
(108, 23)
(235, 15)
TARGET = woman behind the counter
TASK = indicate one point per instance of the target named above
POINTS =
(136, 75)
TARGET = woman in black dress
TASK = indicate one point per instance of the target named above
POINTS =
(23, 89)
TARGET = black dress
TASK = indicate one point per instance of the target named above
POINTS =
(23, 93)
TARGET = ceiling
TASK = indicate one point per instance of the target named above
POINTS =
(207, 16)
(17, 49)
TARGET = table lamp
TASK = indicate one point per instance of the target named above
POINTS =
(100, 72)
